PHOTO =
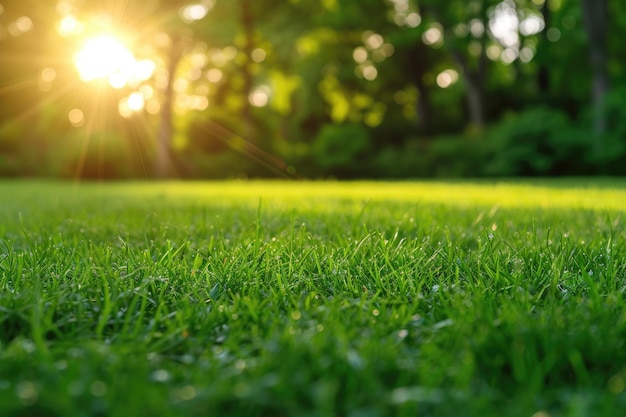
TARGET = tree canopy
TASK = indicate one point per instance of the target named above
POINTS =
(376, 88)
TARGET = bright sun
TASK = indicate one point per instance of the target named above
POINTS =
(106, 57)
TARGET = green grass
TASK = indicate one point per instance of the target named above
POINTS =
(313, 299)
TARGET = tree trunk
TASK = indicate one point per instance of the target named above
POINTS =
(417, 63)
(474, 80)
(596, 20)
(163, 162)
(543, 74)
(247, 21)
(475, 101)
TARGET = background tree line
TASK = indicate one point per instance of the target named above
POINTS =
(367, 88)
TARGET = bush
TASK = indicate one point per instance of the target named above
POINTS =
(537, 142)
(342, 150)
(456, 156)
(398, 162)
(609, 157)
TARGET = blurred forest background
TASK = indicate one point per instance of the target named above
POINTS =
(313, 88)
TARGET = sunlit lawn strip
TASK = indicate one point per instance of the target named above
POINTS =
(296, 298)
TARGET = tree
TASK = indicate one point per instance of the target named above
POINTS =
(596, 20)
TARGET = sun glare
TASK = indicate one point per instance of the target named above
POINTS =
(105, 57)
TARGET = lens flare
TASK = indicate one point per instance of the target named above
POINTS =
(105, 57)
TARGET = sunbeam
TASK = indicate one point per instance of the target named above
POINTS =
(104, 88)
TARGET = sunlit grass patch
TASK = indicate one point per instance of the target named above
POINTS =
(365, 298)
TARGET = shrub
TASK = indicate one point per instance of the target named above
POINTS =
(540, 141)
(610, 156)
(399, 162)
(456, 156)
(342, 149)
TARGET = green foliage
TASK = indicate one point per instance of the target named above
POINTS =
(403, 68)
(441, 157)
(456, 156)
(398, 162)
(536, 142)
(609, 156)
(342, 149)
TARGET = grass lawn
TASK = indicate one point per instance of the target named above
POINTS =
(313, 299)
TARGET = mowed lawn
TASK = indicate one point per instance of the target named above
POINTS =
(355, 299)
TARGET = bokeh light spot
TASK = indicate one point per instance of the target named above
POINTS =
(63, 8)
(147, 91)
(136, 101)
(509, 55)
(553, 34)
(48, 74)
(76, 117)
(260, 97)
(413, 20)
(69, 25)
(526, 55)
(475, 48)
(374, 41)
(360, 54)
(195, 12)
(24, 24)
(214, 75)
(433, 36)
(388, 50)
(370, 73)
(124, 108)
(461, 30)
(180, 85)
(153, 106)
(258, 55)
(493, 52)
(531, 25)
(117, 80)
(105, 56)
(230, 52)
(477, 28)
(14, 30)
(446, 78)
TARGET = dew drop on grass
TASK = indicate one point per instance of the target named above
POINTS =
(186, 393)
(28, 346)
(240, 390)
(354, 359)
(27, 392)
(187, 359)
(75, 353)
(240, 365)
(160, 375)
(76, 388)
(616, 384)
(98, 388)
